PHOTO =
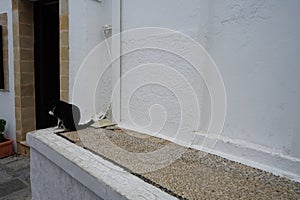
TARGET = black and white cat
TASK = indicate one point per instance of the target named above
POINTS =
(68, 116)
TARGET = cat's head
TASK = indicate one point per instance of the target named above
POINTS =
(52, 106)
(51, 112)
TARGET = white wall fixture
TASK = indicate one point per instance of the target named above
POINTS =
(107, 29)
(99, 1)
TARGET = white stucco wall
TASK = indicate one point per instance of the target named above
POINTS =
(254, 44)
(7, 99)
(41, 179)
(260, 71)
(161, 109)
(86, 21)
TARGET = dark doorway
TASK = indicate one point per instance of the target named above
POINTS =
(46, 53)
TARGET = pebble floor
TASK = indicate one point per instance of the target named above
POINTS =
(182, 172)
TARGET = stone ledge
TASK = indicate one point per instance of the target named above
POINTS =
(103, 178)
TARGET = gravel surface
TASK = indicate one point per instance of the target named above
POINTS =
(183, 172)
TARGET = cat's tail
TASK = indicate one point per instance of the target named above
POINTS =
(83, 126)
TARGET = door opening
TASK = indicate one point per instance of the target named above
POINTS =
(46, 53)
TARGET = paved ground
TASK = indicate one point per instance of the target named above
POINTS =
(14, 178)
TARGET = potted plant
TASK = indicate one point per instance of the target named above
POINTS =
(6, 145)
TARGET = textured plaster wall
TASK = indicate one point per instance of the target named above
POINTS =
(7, 99)
(45, 173)
(255, 45)
(158, 107)
(87, 18)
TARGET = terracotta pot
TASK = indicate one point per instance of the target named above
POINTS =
(6, 148)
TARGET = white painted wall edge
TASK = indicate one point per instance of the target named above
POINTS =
(240, 151)
(116, 59)
(99, 175)
(7, 98)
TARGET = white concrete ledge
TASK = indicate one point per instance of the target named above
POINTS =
(91, 175)
(253, 155)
